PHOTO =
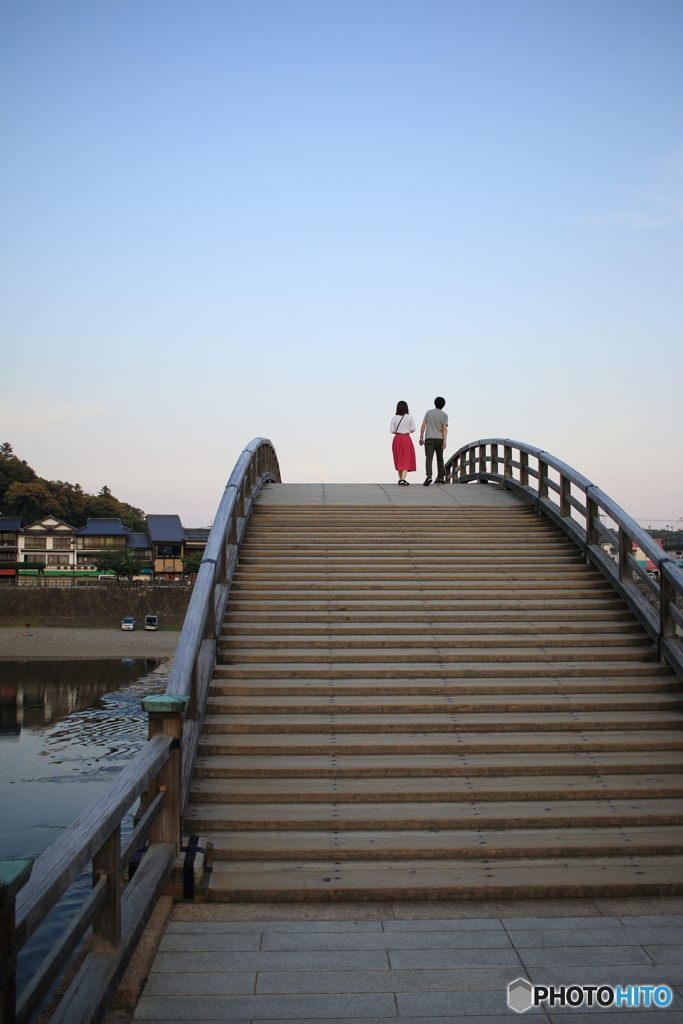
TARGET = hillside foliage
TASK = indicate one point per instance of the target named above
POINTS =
(24, 493)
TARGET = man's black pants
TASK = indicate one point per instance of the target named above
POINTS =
(434, 446)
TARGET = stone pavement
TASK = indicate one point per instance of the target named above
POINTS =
(425, 970)
(56, 642)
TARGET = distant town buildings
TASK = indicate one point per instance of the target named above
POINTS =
(64, 548)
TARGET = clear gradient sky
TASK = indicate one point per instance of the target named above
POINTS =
(226, 219)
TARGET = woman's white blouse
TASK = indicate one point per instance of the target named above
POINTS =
(407, 424)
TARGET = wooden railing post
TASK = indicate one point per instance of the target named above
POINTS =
(472, 469)
(625, 549)
(14, 874)
(507, 456)
(565, 491)
(592, 534)
(542, 482)
(494, 458)
(482, 458)
(106, 863)
(524, 468)
(667, 598)
(166, 714)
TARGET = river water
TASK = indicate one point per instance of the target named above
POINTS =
(66, 729)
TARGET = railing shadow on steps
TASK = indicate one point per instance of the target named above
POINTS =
(577, 506)
(162, 769)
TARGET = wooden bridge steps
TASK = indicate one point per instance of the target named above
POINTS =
(470, 843)
(424, 704)
(364, 744)
(391, 723)
(499, 878)
(510, 787)
(433, 702)
(415, 814)
(426, 687)
(382, 766)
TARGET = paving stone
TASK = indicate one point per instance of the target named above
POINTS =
(286, 960)
(654, 921)
(664, 954)
(244, 927)
(218, 983)
(484, 1019)
(439, 959)
(591, 936)
(203, 942)
(280, 1007)
(394, 940)
(570, 956)
(443, 924)
(466, 980)
(618, 1017)
(462, 1003)
(522, 923)
(616, 974)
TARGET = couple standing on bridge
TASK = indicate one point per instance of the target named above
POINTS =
(433, 433)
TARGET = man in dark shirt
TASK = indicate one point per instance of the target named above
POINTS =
(433, 434)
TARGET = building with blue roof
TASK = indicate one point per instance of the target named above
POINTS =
(61, 547)
(9, 536)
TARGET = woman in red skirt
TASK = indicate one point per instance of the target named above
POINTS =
(402, 426)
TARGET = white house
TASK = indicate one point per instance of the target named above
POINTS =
(48, 541)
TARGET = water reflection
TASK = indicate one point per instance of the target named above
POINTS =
(65, 722)
(34, 694)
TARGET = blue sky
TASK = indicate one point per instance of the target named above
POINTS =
(224, 219)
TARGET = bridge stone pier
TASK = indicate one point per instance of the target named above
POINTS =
(388, 695)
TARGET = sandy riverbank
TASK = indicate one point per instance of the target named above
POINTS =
(70, 642)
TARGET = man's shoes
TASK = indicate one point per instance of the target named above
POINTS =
(427, 482)
(438, 481)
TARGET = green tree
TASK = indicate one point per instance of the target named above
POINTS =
(105, 506)
(57, 497)
(12, 470)
(191, 562)
(32, 501)
(122, 563)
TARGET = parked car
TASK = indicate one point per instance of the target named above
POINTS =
(151, 621)
(128, 622)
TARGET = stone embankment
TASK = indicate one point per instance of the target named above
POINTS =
(91, 606)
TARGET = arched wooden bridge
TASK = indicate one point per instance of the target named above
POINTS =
(395, 693)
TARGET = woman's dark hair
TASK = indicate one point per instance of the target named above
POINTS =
(402, 409)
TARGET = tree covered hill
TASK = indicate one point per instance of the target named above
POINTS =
(24, 493)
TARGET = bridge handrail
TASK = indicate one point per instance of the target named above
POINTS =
(162, 768)
(197, 648)
(654, 603)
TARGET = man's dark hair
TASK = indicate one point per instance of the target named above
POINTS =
(402, 409)
(439, 403)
